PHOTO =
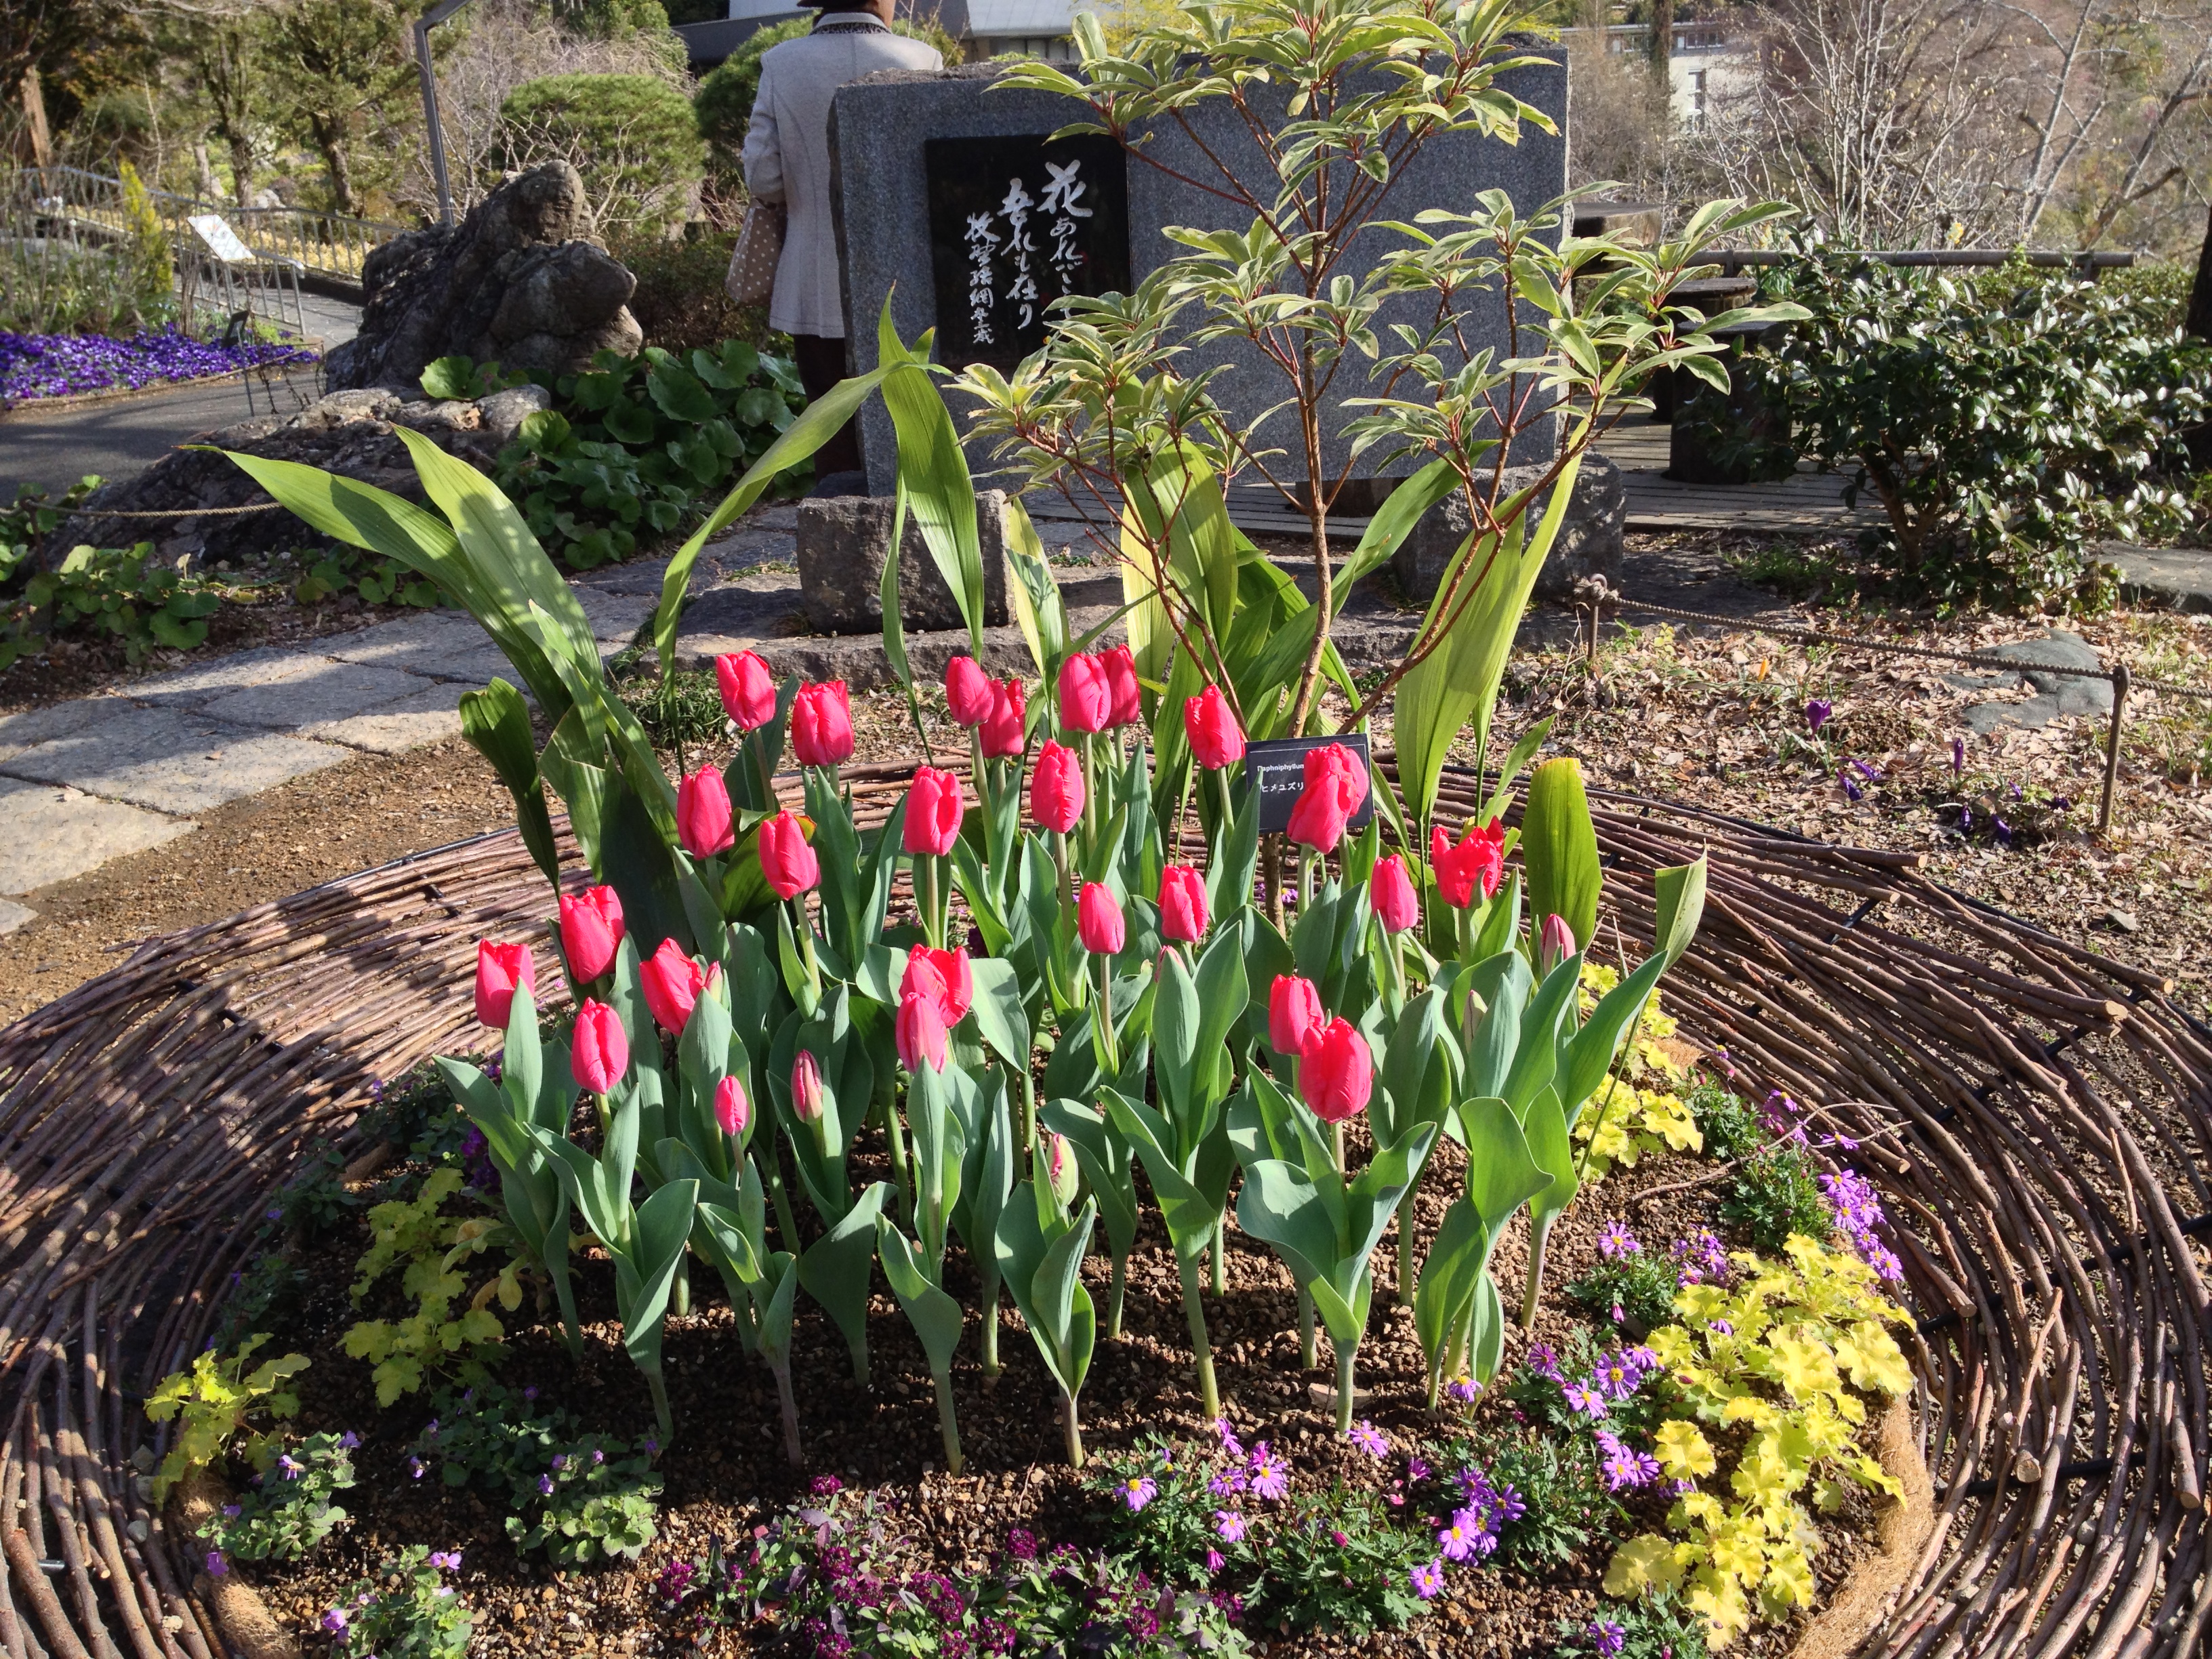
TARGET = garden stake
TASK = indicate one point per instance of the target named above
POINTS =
(2113, 746)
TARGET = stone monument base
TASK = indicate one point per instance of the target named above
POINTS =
(842, 542)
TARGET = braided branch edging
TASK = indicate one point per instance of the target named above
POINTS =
(2039, 1119)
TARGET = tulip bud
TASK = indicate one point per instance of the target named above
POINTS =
(748, 691)
(932, 812)
(806, 1102)
(1556, 944)
(1391, 892)
(1335, 785)
(1125, 703)
(501, 970)
(919, 1034)
(945, 977)
(1293, 1014)
(1336, 1073)
(591, 932)
(599, 1052)
(733, 1111)
(1056, 787)
(967, 691)
(1182, 904)
(1215, 737)
(1004, 726)
(1098, 920)
(822, 725)
(672, 983)
(1059, 1167)
(703, 820)
(1476, 864)
(1086, 701)
(787, 863)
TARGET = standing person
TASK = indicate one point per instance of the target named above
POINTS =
(788, 160)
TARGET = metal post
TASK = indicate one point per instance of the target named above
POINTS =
(428, 21)
(2112, 744)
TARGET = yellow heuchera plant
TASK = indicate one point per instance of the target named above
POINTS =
(222, 1404)
(1639, 1111)
(434, 1247)
(1786, 1351)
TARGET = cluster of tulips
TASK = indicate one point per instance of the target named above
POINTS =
(1100, 1005)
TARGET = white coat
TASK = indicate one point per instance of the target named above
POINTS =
(788, 155)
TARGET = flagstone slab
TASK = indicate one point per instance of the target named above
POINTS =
(54, 832)
(171, 760)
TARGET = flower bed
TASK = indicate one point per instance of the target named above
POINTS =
(35, 366)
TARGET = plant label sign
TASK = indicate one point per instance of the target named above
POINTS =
(1276, 766)
(1014, 224)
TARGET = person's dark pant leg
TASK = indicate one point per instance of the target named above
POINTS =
(821, 366)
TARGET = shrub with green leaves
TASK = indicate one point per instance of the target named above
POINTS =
(128, 594)
(1640, 1286)
(1657, 1627)
(223, 1409)
(2000, 426)
(288, 1510)
(632, 137)
(407, 1611)
(1774, 1193)
(643, 441)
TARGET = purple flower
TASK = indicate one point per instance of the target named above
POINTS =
(1271, 1476)
(232, 1510)
(1139, 1491)
(1608, 1636)
(445, 1560)
(58, 365)
(1461, 1536)
(1623, 1466)
(1463, 1388)
(1429, 1580)
(1369, 1439)
(598, 1457)
(1699, 1257)
(1852, 791)
(1230, 1525)
(1416, 1470)
(1022, 1544)
(1871, 774)
(1957, 756)
(1230, 1443)
(545, 1485)
(1228, 1483)
(335, 1621)
(414, 1468)
(348, 1441)
(1616, 1242)
(1856, 1209)
(291, 1467)
(1817, 711)
(216, 1566)
(560, 1460)
(1722, 1327)
(2003, 830)
(528, 1394)
(1584, 1399)
(1214, 1559)
(1544, 1360)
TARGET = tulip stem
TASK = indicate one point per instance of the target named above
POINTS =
(924, 869)
(1537, 1234)
(1064, 894)
(1117, 1281)
(1218, 1255)
(1336, 1144)
(661, 1414)
(1308, 1355)
(990, 1344)
(1089, 792)
(947, 1422)
(1109, 1047)
(1073, 1425)
(790, 1404)
(758, 750)
(800, 926)
(786, 1222)
(1194, 1309)
(1405, 1244)
(1345, 1352)
(1029, 1112)
(1228, 812)
(606, 1117)
(901, 1170)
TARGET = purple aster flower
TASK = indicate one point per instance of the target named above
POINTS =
(1139, 1491)
(1544, 1360)
(1214, 1559)
(1616, 1242)
(1623, 1466)
(1461, 1536)
(1608, 1636)
(1228, 1483)
(1230, 1523)
(1416, 1470)
(1584, 1399)
(1271, 1476)
(1463, 1388)
(1429, 1580)
(1817, 712)
(1369, 1439)
(1230, 1443)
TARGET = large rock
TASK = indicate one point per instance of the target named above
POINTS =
(519, 281)
(1590, 541)
(842, 541)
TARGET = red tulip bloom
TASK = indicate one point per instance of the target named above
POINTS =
(807, 1101)
(1215, 737)
(822, 725)
(1098, 920)
(1390, 892)
(932, 812)
(786, 860)
(501, 970)
(733, 1111)
(1056, 787)
(1182, 904)
(1003, 727)
(1336, 1073)
(1478, 862)
(748, 691)
(1086, 700)
(1293, 1014)
(599, 1051)
(591, 930)
(967, 691)
(703, 821)
(943, 976)
(672, 983)
(1556, 944)
(1125, 703)
(1335, 785)
(919, 1034)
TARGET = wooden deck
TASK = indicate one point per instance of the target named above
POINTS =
(1810, 503)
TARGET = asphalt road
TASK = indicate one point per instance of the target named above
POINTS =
(113, 440)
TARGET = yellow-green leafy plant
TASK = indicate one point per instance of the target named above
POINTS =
(1773, 1372)
(1640, 1111)
(221, 1408)
(450, 1331)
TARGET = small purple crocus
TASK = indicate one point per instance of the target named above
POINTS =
(1957, 756)
(1817, 712)
(1853, 792)
(1429, 1580)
